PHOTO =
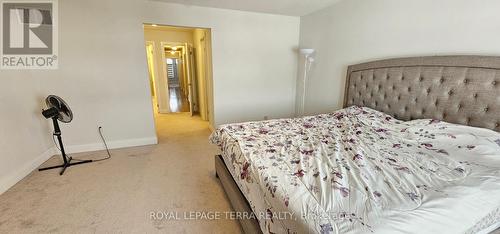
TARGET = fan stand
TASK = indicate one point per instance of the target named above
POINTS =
(67, 160)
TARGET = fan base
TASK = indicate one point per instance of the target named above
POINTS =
(65, 165)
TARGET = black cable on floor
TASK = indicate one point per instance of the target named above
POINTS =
(93, 160)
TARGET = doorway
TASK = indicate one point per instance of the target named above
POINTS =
(175, 64)
(179, 63)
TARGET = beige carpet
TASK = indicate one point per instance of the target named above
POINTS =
(117, 195)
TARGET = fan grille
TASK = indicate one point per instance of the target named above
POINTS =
(65, 114)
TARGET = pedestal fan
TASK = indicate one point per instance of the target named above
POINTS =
(58, 110)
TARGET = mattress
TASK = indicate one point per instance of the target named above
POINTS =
(358, 170)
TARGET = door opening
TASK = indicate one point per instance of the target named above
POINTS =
(180, 70)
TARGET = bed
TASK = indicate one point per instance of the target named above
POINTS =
(415, 150)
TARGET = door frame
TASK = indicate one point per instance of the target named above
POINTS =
(205, 54)
(155, 75)
(166, 98)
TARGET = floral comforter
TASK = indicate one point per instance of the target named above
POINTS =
(358, 170)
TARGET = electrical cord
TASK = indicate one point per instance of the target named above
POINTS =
(105, 145)
(93, 160)
(54, 140)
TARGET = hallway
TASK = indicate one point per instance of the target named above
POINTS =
(118, 195)
(179, 63)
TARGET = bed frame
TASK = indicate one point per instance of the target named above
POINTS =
(236, 197)
(457, 89)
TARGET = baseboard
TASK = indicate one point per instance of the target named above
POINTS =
(163, 111)
(11, 180)
(111, 145)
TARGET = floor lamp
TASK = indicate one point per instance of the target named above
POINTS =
(308, 60)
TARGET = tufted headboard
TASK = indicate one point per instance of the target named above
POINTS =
(457, 89)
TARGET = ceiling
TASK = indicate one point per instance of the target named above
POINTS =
(281, 7)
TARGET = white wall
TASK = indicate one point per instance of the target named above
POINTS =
(23, 141)
(354, 31)
(103, 76)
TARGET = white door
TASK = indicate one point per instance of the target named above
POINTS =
(189, 61)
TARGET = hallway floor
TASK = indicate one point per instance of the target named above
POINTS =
(178, 101)
(118, 195)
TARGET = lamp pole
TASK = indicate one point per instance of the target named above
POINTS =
(308, 60)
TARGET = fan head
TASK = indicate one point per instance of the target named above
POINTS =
(65, 114)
